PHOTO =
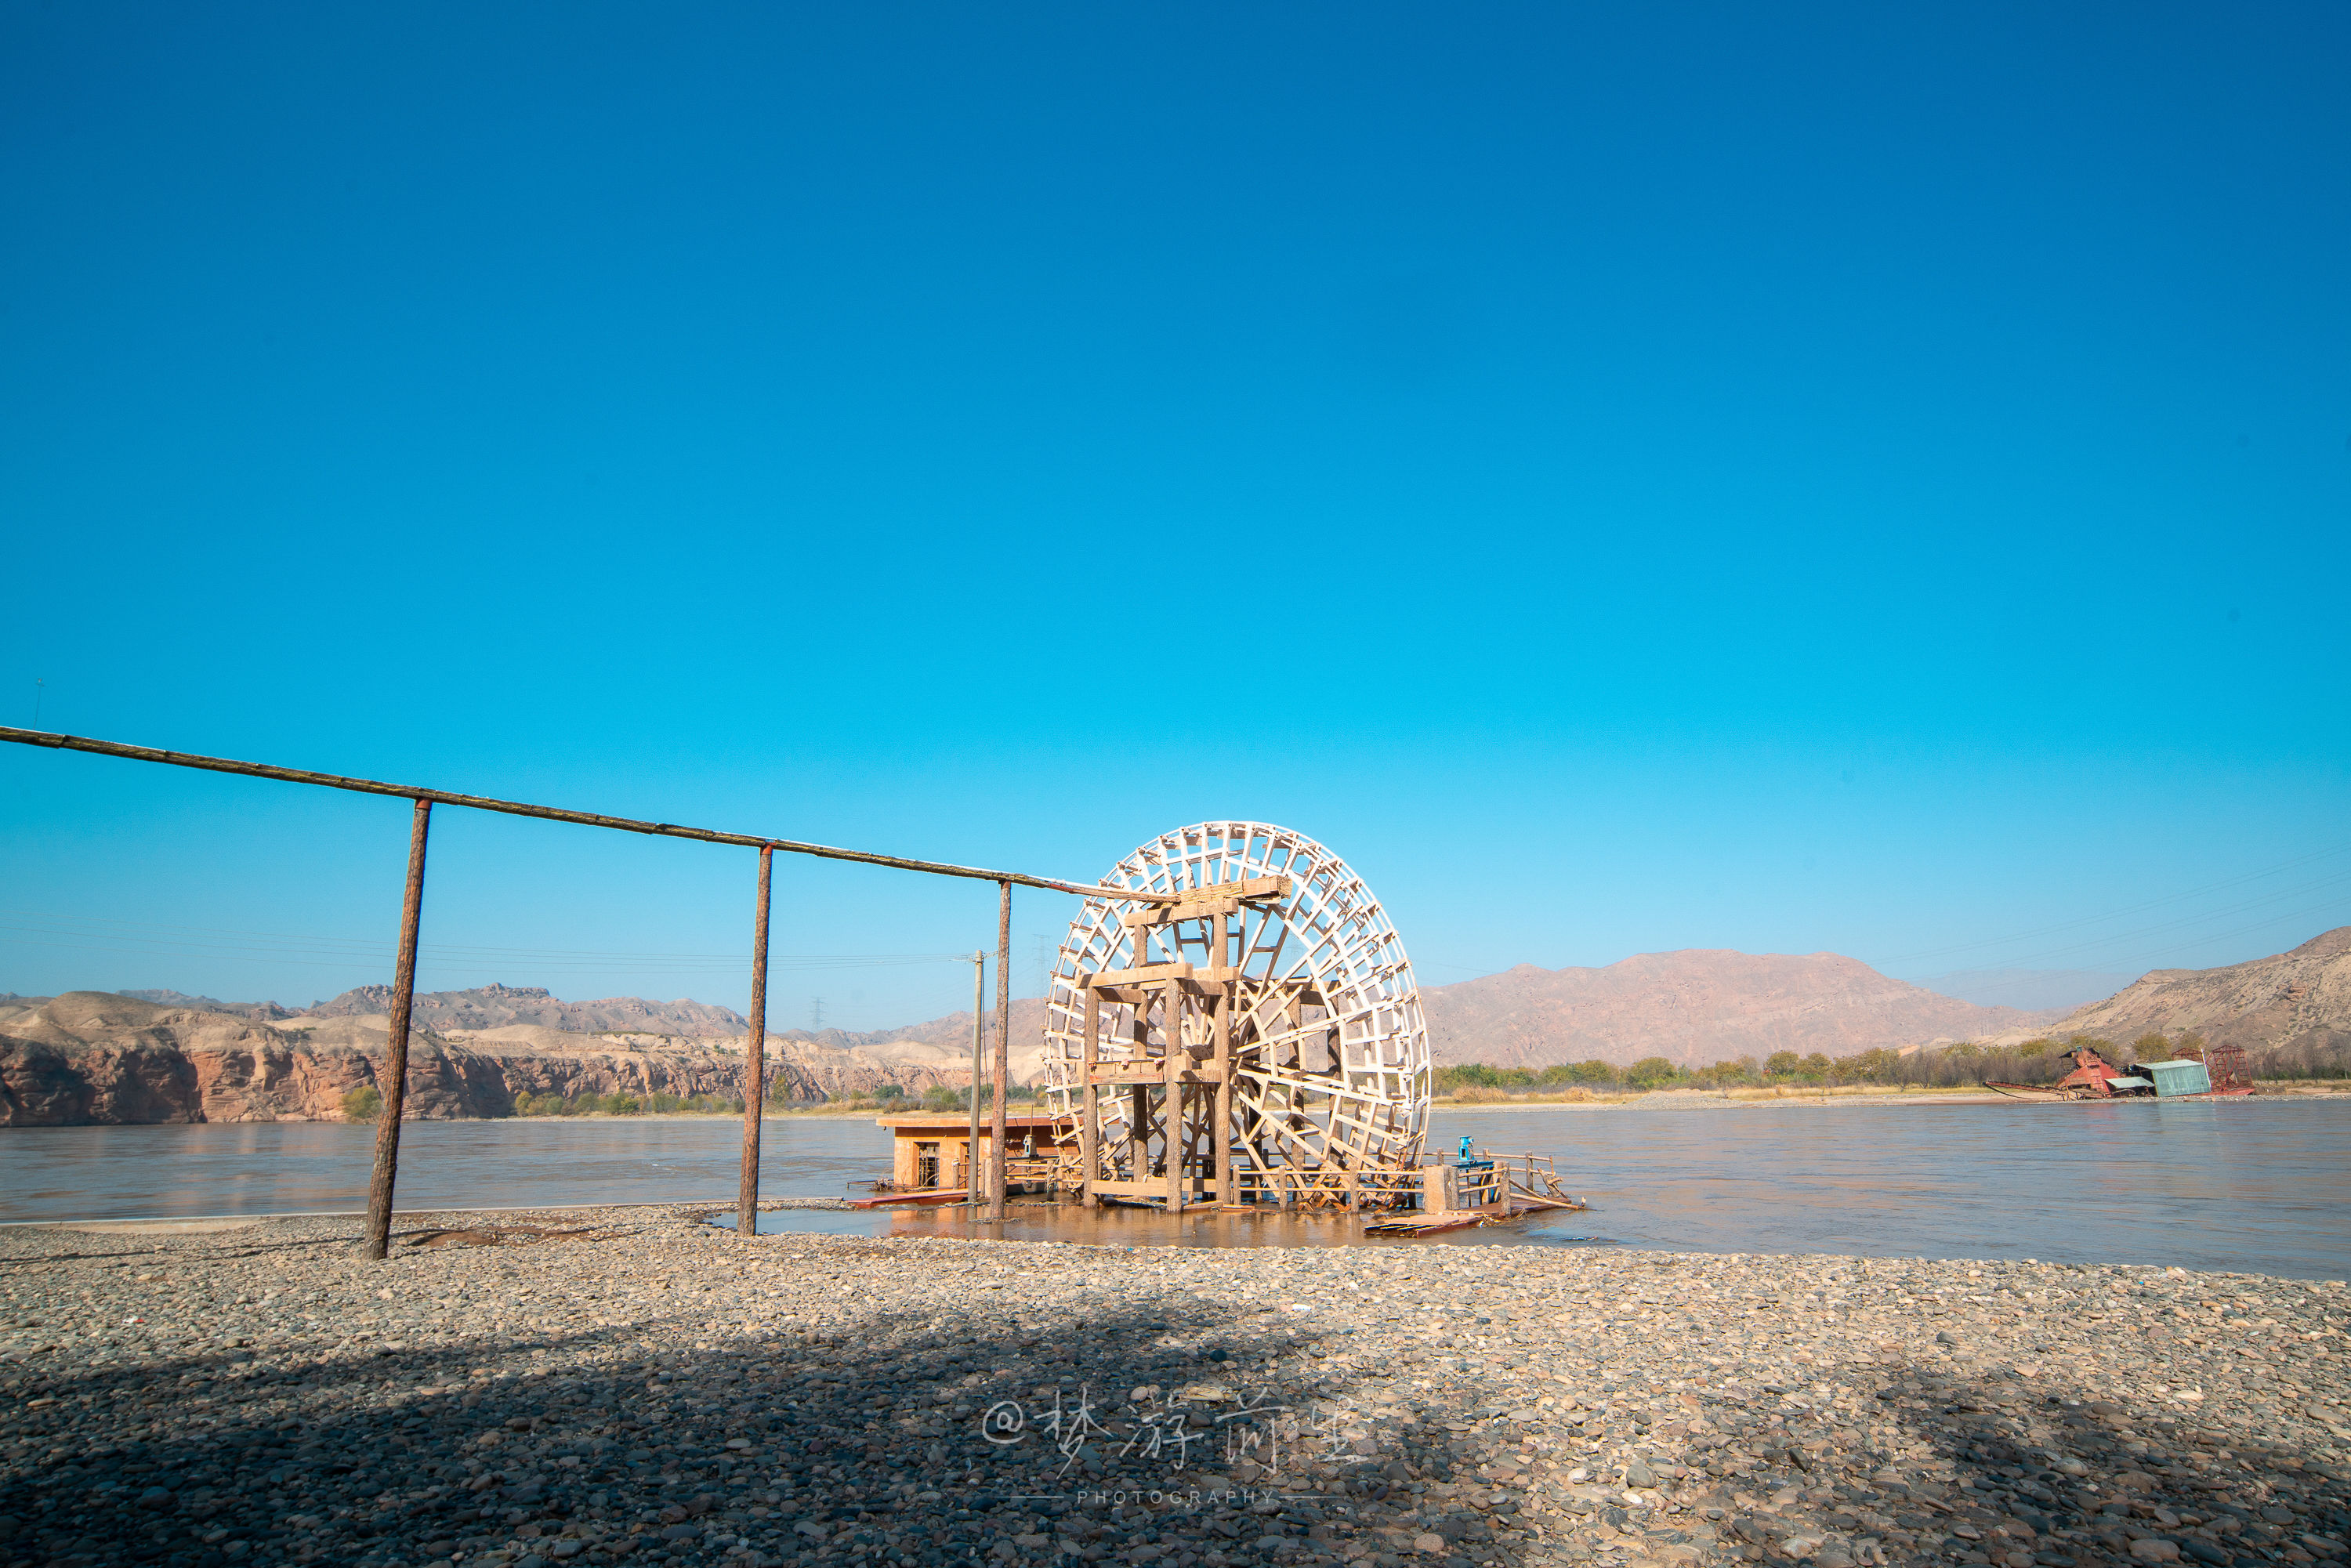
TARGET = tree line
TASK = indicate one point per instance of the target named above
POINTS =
(1961, 1065)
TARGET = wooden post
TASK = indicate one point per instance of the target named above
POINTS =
(1222, 1133)
(1174, 1065)
(755, 1062)
(395, 1054)
(1138, 1133)
(997, 1172)
(1090, 1119)
(971, 1178)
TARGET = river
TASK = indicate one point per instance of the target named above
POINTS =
(2258, 1186)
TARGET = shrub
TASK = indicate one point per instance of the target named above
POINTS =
(364, 1104)
(1652, 1072)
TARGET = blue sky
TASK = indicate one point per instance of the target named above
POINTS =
(1836, 479)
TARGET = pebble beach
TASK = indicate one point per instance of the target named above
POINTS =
(638, 1386)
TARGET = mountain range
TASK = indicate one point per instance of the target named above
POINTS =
(2292, 1004)
(160, 1055)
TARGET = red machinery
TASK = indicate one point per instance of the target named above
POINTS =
(2092, 1078)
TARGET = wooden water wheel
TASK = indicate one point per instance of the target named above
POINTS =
(1261, 1039)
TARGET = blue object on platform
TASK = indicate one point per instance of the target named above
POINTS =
(2177, 1077)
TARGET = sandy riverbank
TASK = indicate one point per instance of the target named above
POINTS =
(646, 1388)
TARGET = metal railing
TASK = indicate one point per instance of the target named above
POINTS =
(395, 1084)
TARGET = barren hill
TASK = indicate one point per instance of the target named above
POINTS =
(1693, 1007)
(2292, 1001)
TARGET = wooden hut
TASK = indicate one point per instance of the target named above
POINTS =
(931, 1151)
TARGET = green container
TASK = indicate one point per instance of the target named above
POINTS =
(2177, 1077)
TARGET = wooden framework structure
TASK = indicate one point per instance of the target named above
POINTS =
(1245, 1032)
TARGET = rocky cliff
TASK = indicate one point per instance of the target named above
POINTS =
(96, 1056)
(494, 1006)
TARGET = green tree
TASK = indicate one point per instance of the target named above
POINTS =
(621, 1105)
(1781, 1064)
(1652, 1072)
(1817, 1066)
(364, 1104)
(2152, 1047)
(2032, 1048)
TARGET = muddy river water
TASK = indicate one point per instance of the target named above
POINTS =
(2260, 1187)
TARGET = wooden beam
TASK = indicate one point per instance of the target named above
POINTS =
(1222, 1017)
(1174, 1060)
(1217, 898)
(1140, 975)
(1169, 914)
(1089, 1120)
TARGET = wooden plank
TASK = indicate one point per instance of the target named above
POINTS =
(1127, 1073)
(911, 1199)
(1140, 975)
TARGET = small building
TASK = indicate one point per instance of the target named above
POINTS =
(2186, 1076)
(930, 1151)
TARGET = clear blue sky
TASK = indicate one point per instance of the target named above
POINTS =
(1862, 480)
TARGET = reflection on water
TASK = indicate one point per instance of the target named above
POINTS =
(294, 1167)
(2256, 1186)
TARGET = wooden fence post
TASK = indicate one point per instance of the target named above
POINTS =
(997, 1174)
(395, 1055)
(755, 1062)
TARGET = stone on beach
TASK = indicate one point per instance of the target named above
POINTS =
(635, 1386)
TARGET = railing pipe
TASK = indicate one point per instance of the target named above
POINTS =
(558, 814)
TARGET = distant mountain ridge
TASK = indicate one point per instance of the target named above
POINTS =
(2294, 1001)
(1695, 1007)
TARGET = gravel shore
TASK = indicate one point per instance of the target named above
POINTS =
(637, 1386)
